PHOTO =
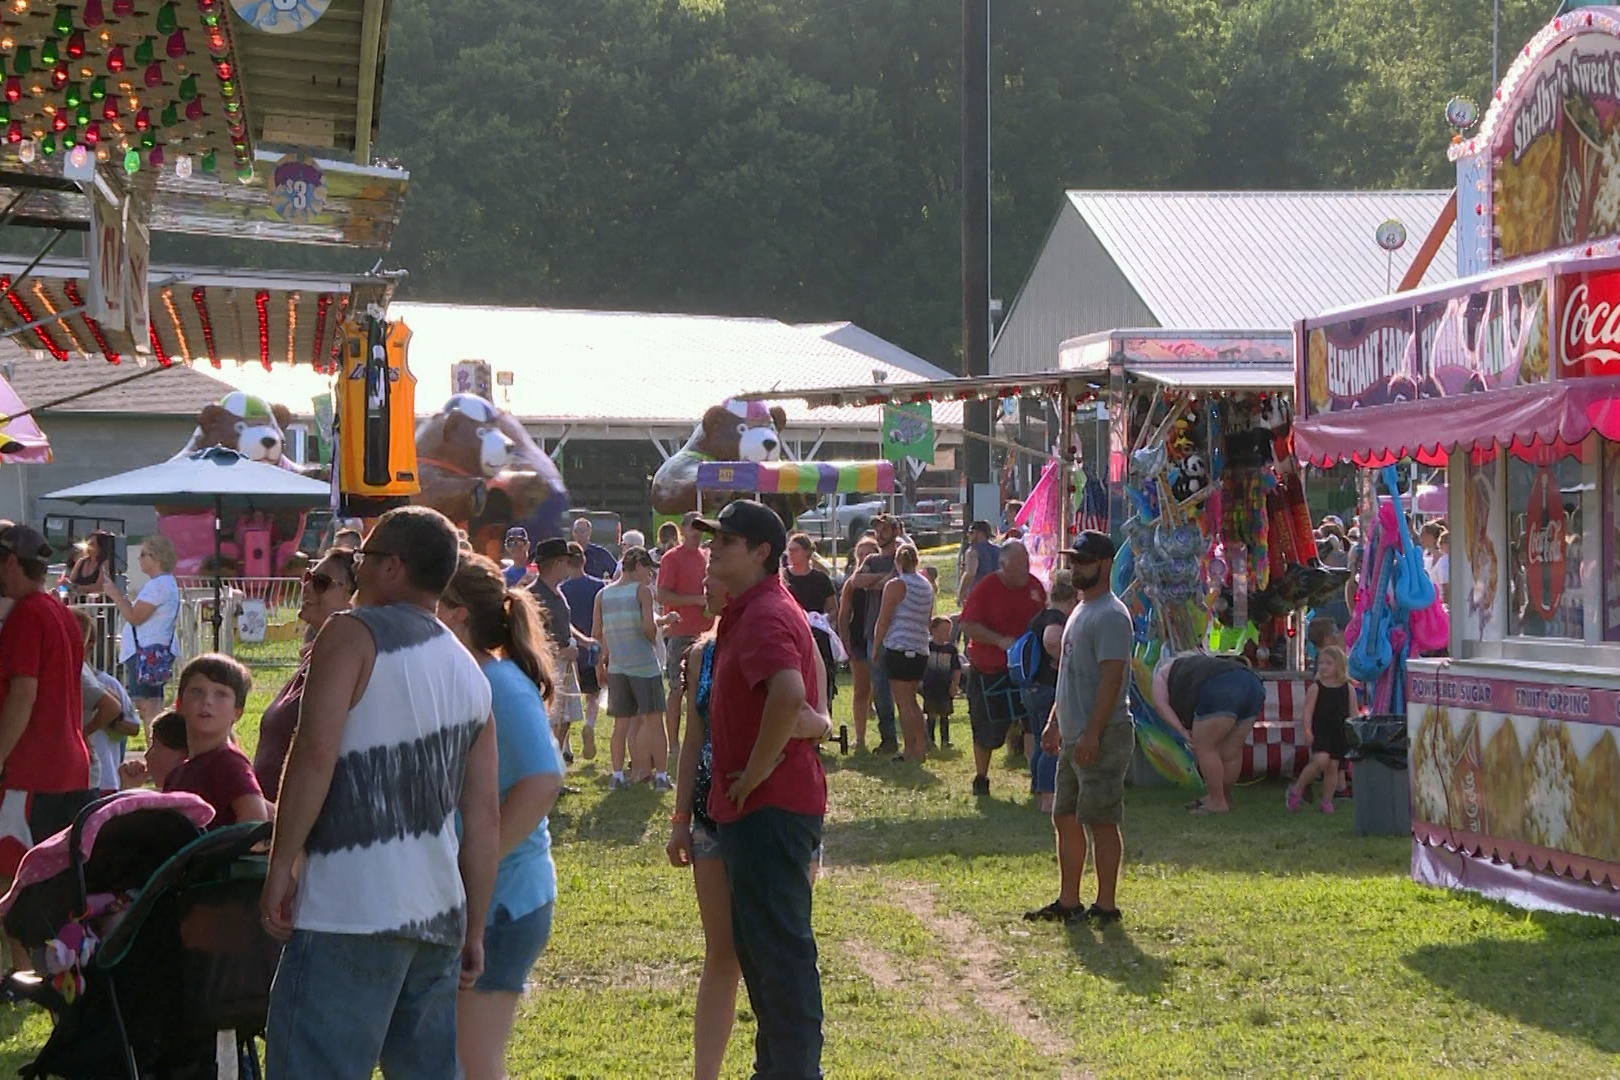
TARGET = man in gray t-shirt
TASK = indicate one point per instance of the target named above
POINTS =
(1091, 726)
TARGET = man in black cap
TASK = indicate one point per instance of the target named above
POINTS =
(551, 568)
(1092, 727)
(43, 756)
(770, 816)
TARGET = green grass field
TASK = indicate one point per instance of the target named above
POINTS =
(1257, 944)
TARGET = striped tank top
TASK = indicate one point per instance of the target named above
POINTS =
(381, 858)
(908, 626)
(629, 651)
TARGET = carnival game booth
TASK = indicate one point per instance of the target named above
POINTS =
(1219, 549)
(1180, 416)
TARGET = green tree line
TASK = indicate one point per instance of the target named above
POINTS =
(800, 159)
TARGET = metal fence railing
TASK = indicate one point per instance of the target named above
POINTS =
(259, 624)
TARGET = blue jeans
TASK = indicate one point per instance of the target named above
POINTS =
(767, 855)
(883, 698)
(1038, 700)
(342, 1003)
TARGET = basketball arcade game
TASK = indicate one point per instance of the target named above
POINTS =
(1511, 380)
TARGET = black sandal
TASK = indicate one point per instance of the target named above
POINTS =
(1103, 916)
(1053, 912)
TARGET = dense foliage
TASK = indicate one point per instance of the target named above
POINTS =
(799, 158)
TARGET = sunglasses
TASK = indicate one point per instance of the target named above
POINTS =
(375, 553)
(318, 582)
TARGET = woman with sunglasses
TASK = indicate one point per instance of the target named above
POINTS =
(328, 589)
(506, 633)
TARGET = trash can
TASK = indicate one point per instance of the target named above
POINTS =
(1382, 794)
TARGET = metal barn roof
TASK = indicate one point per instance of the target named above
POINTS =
(1214, 259)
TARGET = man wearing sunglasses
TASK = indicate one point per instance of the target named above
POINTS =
(770, 794)
(385, 915)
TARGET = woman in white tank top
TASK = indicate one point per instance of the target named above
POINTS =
(902, 632)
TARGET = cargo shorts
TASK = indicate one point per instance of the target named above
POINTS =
(1095, 794)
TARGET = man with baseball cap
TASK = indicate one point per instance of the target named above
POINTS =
(1092, 727)
(551, 567)
(518, 575)
(769, 794)
(44, 763)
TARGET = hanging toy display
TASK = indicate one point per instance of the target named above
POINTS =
(376, 415)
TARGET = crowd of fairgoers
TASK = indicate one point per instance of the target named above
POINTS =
(717, 649)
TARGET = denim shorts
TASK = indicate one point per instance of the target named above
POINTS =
(1233, 693)
(511, 946)
(705, 842)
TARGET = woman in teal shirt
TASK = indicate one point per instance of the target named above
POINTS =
(505, 632)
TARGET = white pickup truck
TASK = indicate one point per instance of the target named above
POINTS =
(842, 517)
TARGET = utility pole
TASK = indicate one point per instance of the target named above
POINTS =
(976, 235)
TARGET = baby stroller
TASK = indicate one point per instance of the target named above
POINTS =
(147, 930)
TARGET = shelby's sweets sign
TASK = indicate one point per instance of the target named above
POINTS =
(1554, 144)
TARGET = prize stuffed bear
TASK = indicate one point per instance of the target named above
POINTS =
(481, 469)
(731, 431)
(251, 544)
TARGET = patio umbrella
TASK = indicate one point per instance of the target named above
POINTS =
(217, 478)
(21, 441)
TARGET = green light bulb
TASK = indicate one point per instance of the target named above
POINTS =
(83, 115)
(188, 88)
(73, 96)
(165, 19)
(143, 52)
(24, 62)
(64, 21)
(98, 88)
(171, 115)
(132, 160)
(148, 139)
(48, 54)
(47, 146)
(69, 139)
(208, 162)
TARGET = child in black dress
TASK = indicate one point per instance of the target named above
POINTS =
(1327, 707)
(941, 680)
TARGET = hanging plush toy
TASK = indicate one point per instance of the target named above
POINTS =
(66, 957)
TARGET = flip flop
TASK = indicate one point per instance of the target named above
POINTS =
(1195, 804)
(1204, 811)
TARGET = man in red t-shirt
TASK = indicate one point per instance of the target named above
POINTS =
(45, 775)
(996, 614)
(686, 618)
(770, 816)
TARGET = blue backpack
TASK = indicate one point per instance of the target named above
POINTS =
(1024, 659)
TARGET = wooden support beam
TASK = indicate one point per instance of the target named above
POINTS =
(1431, 245)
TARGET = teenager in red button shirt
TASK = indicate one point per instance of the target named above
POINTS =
(769, 793)
(996, 614)
(44, 763)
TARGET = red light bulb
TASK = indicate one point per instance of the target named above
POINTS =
(94, 14)
(59, 75)
(154, 74)
(143, 119)
(123, 8)
(194, 110)
(109, 107)
(59, 121)
(14, 133)
(92, 134)
(13, 88)
(115, 59)
(176, 46)
(224, 69)
(75, 46)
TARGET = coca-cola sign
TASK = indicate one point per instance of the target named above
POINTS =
(1544, 544)
(1589, 324)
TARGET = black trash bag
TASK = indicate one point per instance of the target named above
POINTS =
(1378, 738)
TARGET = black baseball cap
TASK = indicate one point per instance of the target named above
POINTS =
(23, 541)
(517, 532)
(753, 521)
(1092, 546)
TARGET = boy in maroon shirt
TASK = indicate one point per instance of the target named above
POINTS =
(769, 794)
(213, 691)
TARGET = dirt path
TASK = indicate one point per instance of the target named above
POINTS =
(982, 978)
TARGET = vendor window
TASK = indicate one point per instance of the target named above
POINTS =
(1545, 504)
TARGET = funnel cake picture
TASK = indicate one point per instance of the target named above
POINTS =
(1597, 811)
(1316, 372)
(1432, 759)
(1478, 497)
(1503, 766)
(1549, 795)
(1527, 197)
